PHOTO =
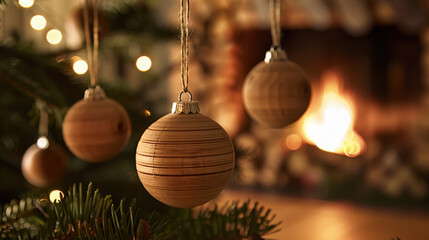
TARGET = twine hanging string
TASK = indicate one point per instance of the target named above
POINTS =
(95, 29)
(184, 42)
(44, 120)
(275, 20)
(92, 55)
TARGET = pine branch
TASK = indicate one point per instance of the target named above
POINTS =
(26, 91)
(234, 220)
(19, 219)
(86, 214)
(81, 214)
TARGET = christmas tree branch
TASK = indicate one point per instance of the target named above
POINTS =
(26, 91)
(233, 220)
(86, 214)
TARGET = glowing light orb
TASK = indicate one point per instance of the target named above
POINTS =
(54, 36)
(293, 142)
(143, 63)
(56, 195)
(80, 67)
(146, 113)
(26, 3)
(38, 22)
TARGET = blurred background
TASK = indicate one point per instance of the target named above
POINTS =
(364, 141)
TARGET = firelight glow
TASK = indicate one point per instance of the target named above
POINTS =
(331, 126)
(38, 22)
(143, 63)
(56, 196)
(54, 36)
(26, 3)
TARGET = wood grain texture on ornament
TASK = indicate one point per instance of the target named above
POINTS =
(96, 130)
(184, 160)
(276, 94)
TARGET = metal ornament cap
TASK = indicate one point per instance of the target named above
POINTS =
(94, 94)
(275, 54)
(185, 107)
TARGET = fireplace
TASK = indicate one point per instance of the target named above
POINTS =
(358, 138)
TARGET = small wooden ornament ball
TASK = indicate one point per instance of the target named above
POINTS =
(44, 167)
(276, 92)
(96, 128)
(185, 158)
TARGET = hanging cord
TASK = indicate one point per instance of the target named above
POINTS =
(95, 29)
(92, 55)
(275, 11)
(44, 120)
(184, 42)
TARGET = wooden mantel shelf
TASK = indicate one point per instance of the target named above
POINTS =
(308, 219)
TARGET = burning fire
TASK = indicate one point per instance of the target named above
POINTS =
(330, 124)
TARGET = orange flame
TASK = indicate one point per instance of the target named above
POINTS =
(330, 126)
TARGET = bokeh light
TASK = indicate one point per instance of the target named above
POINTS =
(54, 36)
(80, 67)
(56, 195)
(293, 142)
(26, 3)
(38, 22)
(42, 142)
(146, 113)
(144, 63)
(352, 149)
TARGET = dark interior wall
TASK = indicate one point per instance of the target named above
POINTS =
(382, 66)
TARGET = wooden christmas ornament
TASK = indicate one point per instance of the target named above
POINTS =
(185, 158)
(276, 92)
(44, 166)
(96, 128)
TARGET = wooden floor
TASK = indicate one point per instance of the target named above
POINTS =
(305, 219)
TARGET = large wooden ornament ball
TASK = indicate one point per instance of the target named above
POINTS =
(185, 160)
(44, 167)
(96, 130)
(276, 94)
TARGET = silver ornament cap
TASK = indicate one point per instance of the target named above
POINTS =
(94, 94)
(275, 54)
(185, 107)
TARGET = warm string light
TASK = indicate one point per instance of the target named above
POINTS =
(56, 196)
(146, 112)
(26, 3)
(143, 63)
(38, 22)
(54, 36)
(80, 66)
